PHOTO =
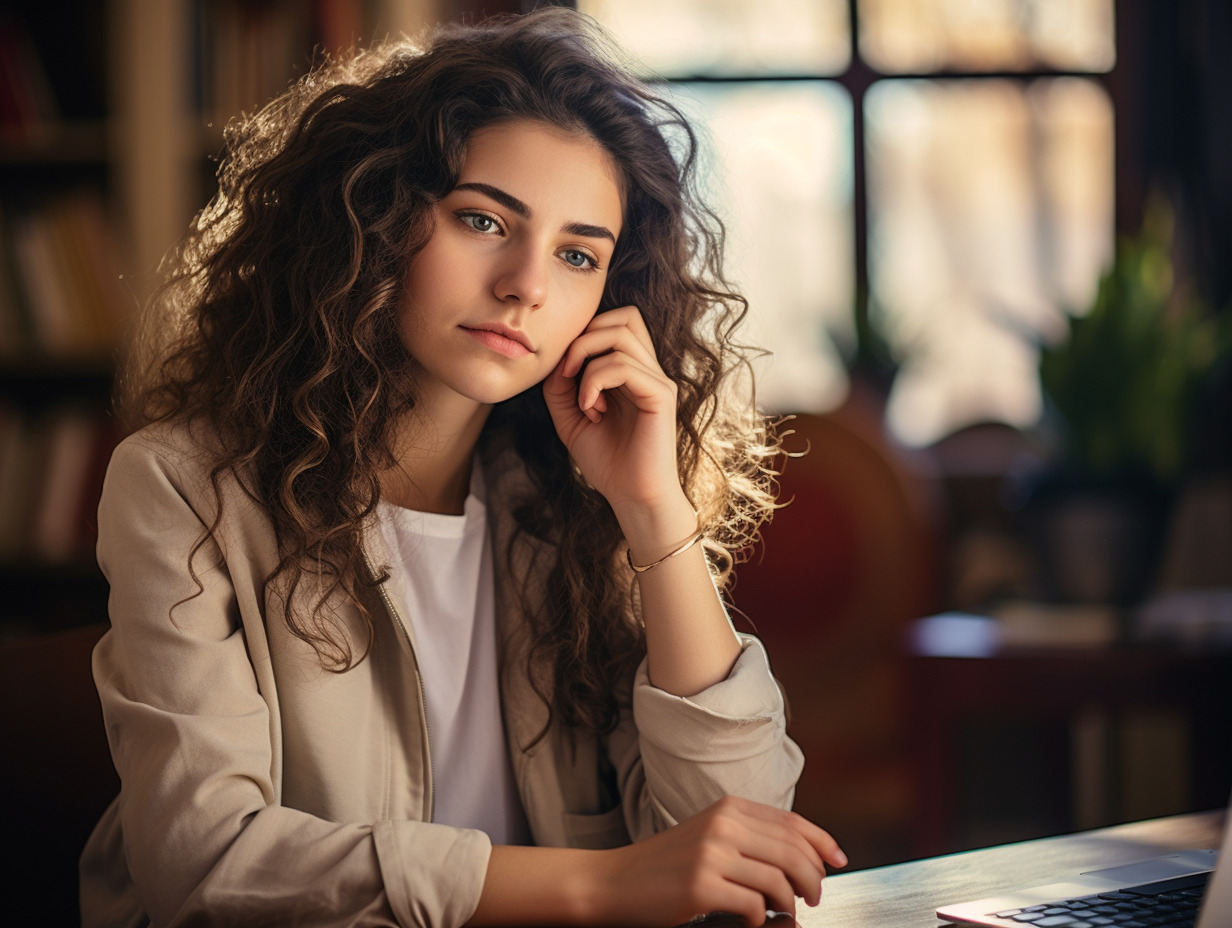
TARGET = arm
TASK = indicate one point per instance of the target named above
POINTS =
(187, 703)
(618, 420)
(690, 643)
(709, 717)
(737, 856)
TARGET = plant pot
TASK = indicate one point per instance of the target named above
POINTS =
(1096, 541)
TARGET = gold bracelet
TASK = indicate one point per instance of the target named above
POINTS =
(684, 546)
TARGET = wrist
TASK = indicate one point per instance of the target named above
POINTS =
(591, 883)
(652, 532)
(544, 886)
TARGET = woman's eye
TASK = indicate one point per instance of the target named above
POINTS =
(578, 259)
(479, 222)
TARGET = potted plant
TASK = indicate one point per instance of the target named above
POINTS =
(1121, 390)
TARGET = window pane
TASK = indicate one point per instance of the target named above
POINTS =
(781, 181)
(683, 38)
(990, 213)
(928, 35)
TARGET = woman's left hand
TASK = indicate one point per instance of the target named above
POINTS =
(615, 411)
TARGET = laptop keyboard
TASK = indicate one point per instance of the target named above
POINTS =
(1166, 904)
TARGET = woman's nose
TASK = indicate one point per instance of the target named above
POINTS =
(523, 279)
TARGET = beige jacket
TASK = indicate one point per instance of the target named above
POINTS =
(259, 788)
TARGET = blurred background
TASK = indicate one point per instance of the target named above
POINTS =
(986, 245)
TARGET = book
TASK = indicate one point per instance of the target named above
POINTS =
(52, 465)
(60, 287)
(55, 534)
(15, 325)
(27, 103)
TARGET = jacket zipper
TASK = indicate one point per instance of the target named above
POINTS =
(423, 703)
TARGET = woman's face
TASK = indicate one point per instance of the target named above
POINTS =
(516, 265)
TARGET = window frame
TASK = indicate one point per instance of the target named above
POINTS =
(858, 78)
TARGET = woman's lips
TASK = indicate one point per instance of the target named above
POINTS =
(498, 342)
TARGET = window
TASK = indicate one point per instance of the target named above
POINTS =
(951, 159)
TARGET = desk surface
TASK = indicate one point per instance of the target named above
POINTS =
(908, 895)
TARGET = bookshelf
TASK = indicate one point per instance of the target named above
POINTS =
(62, 310)
(111, 116)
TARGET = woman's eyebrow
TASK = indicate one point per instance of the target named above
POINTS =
(513, 204)
(589, 231)
(507, 200)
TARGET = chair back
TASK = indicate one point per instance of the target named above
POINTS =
(841, 571)
(57, 776)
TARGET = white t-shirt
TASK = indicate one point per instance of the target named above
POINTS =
(447, 561)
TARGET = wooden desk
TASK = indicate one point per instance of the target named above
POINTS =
(908, 895)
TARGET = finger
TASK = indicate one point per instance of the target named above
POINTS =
(819, 842)
(782, 847)
(786, 828)
(822, 840)
(592, 344)
(560, 393)
(628, 316)
(733, 898)
(768, 881)
(560, 396)
(787, 847)
(621, 315)
(563, 398)
(816, 837)
(802, 873)
(649, 390)
(779, 838)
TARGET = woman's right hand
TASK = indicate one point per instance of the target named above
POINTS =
(736, 856)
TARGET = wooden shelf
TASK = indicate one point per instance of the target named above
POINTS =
(37, 383)
(80, 144)
(48, 597)
(119, 85)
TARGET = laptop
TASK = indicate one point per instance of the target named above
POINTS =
(1183, 889)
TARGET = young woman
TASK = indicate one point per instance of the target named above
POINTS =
(414, 552)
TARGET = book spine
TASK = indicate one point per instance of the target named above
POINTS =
(51, 477)
(60, 292)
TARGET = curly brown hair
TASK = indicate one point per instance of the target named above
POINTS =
(276, 324)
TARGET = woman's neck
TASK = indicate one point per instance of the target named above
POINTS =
(433, 470)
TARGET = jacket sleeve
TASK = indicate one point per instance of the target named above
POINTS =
(204, 838)
(682, 754)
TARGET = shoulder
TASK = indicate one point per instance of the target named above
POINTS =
(166, 458)
(177, 445)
